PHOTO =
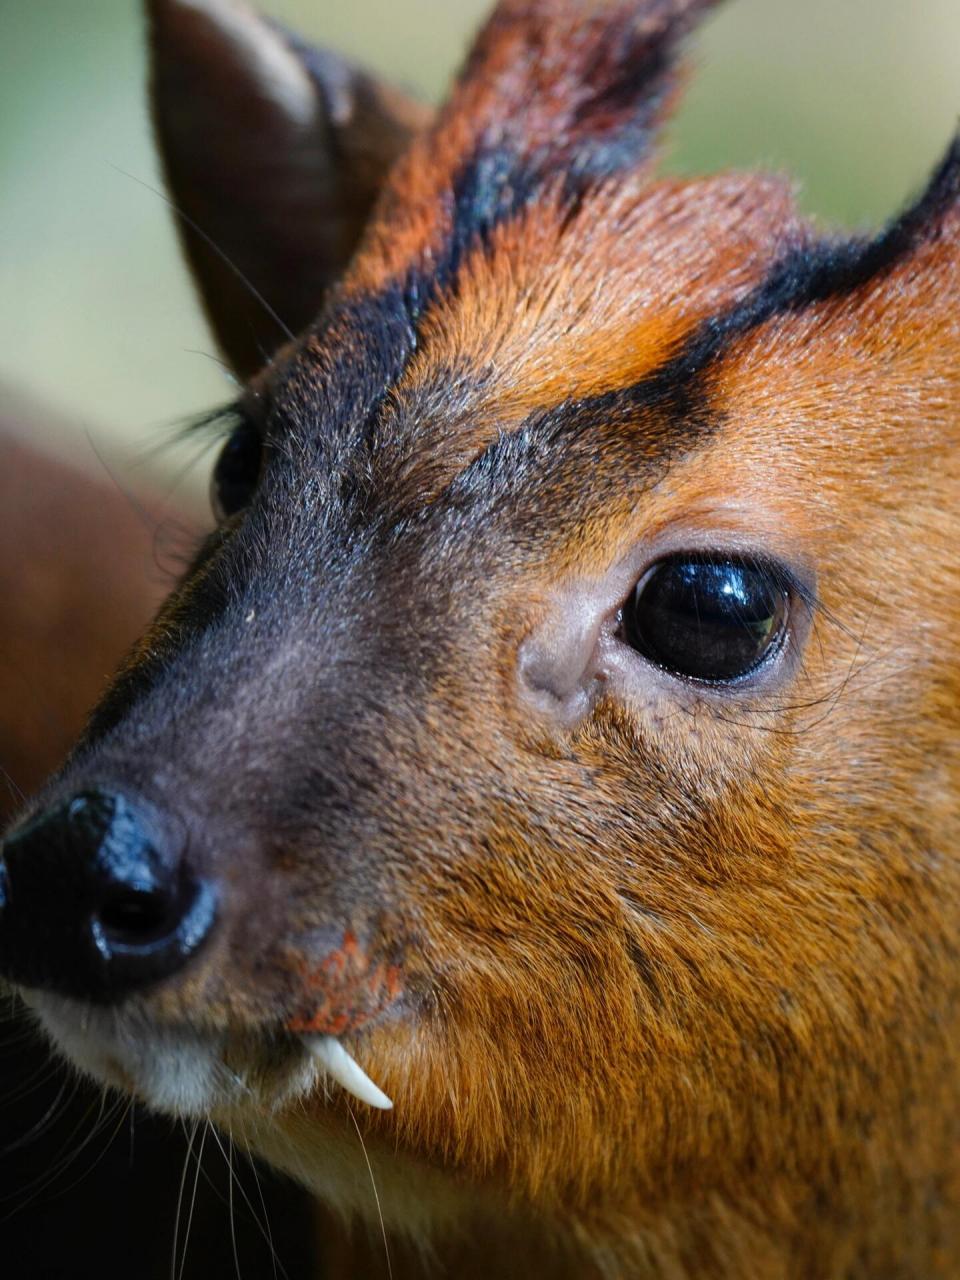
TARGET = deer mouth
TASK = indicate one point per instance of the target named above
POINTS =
(192, 1072)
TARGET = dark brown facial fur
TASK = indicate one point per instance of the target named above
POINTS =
(659, 974)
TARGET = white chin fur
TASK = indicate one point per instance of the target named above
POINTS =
(184, 1073)
(187, 1073)
(176, 1071)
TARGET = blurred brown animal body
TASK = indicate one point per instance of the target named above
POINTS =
(79, 581)
(659, 970)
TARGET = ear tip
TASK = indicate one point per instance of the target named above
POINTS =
(237, 98)
(230, 17)
(212, 7)
(220, 52)
(333, 76)
(346, 88)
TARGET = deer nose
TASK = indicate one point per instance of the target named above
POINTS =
(97, 900)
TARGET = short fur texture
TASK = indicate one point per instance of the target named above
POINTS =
(661, 978)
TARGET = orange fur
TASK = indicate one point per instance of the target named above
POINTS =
(662, 982)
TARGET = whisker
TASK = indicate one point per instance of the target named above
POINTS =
(214, 247)
(19, 1032)
(262, 1225)
(124, 1111)
(227, 1153)
(49, 1116)
(265, 1230)
(30, 1086)
(12, 787)
(132, 1112)
(193, 1198)
(64, 1159)
(211, 355)
(159, 525)
(135, 506)
(376, 1195)
(191, 1138)
(231, 1180)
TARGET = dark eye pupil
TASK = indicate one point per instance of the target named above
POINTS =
(236, 472)
(708, 617)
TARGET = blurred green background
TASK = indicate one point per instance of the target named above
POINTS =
(856, 98)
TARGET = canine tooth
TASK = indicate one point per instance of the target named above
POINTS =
(346, 1072)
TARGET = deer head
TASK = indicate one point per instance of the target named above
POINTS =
(557, 737)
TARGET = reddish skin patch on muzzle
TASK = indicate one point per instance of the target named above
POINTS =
(343, 991)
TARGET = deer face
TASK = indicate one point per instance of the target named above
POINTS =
(561, 721)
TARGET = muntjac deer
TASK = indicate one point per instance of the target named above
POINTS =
(558, 737)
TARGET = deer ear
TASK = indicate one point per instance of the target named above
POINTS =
(274, 154)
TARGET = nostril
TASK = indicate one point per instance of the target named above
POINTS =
(136, 915)
(97, 899)
(146, 935)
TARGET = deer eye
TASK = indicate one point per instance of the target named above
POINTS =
(708, 617)
(236, 472)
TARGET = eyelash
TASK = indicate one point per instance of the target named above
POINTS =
(213, 426)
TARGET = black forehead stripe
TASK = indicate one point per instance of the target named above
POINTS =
(800, 278)
(489, 189)
(811, 273)
(370, 340)
(829, 269)
(611, 129)
(365, 343)
(921, 218)
(334, 386)
(623, 81)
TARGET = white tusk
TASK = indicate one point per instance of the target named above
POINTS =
(346, 1072)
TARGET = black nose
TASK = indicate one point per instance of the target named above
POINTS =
(96, 899)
